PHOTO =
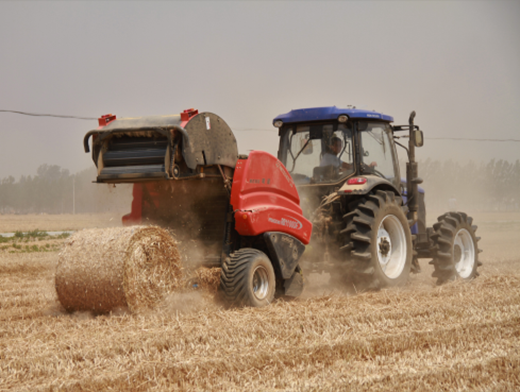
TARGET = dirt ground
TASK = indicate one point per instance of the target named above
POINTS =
(463, 336)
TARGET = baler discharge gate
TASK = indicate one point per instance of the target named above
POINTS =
(160, 147)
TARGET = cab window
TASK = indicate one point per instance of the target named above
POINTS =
(376, 150)
(320, 153)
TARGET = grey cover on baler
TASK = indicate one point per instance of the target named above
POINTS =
(142, 148)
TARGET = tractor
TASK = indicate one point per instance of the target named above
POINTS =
(240, 213)
(369, 225)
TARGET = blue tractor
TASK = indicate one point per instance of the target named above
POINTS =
(369, 225)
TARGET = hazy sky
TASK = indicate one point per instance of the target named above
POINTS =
(456, 63)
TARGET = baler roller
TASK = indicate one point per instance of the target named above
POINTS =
(135, 152)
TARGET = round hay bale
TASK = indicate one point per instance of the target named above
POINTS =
(102, 270)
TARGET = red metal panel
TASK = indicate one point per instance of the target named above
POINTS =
(265, 198)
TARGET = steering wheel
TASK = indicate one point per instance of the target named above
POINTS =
(372, 169)
(379, 173)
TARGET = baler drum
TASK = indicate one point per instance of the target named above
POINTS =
(134, 157)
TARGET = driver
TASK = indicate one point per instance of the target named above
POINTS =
(331, 156)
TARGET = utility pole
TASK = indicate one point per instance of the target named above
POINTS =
(74, 194)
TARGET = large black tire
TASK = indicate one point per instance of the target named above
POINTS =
(456, 250)
(378, 241)
(248, 279)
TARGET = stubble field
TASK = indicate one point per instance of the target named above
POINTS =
(458, 337)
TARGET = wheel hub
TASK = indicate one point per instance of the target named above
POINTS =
(384, 245)
(391, 246)
(464, 254)
(457, 253)
(260, 283)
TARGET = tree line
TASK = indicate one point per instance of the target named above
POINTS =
(54, 190)
(491, 186)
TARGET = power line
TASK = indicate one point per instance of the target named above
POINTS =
(472, 139)
(47, 115)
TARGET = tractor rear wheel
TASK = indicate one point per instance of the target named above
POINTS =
(456, 248)
(248, 278)
(379, 241)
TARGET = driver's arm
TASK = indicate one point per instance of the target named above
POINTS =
(349, 166)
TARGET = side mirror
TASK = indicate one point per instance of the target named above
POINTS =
(418, 138)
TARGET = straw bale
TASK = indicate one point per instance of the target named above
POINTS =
(101, 270)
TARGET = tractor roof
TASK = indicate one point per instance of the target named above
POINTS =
(329, 113)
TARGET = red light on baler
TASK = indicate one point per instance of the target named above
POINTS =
(188, 113)
(357, 181)
(104, 120)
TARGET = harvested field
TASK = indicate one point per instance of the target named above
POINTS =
(11, 223)
(461, 336)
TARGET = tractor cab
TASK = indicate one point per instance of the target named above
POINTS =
(325, 147)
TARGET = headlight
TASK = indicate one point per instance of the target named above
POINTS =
(343, 118)
(278, 123)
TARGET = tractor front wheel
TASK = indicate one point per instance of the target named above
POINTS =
(248, 279)
(456, 248)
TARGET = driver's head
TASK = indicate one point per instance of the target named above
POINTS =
(336, 145)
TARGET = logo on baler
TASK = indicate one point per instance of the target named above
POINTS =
(284, 173)
(291, 223)
(259, 181)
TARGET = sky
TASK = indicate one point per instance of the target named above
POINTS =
(456, 63)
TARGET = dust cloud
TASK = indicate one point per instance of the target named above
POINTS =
(187, 302)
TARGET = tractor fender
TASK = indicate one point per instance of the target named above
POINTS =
(285, 252)
(372, 182)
